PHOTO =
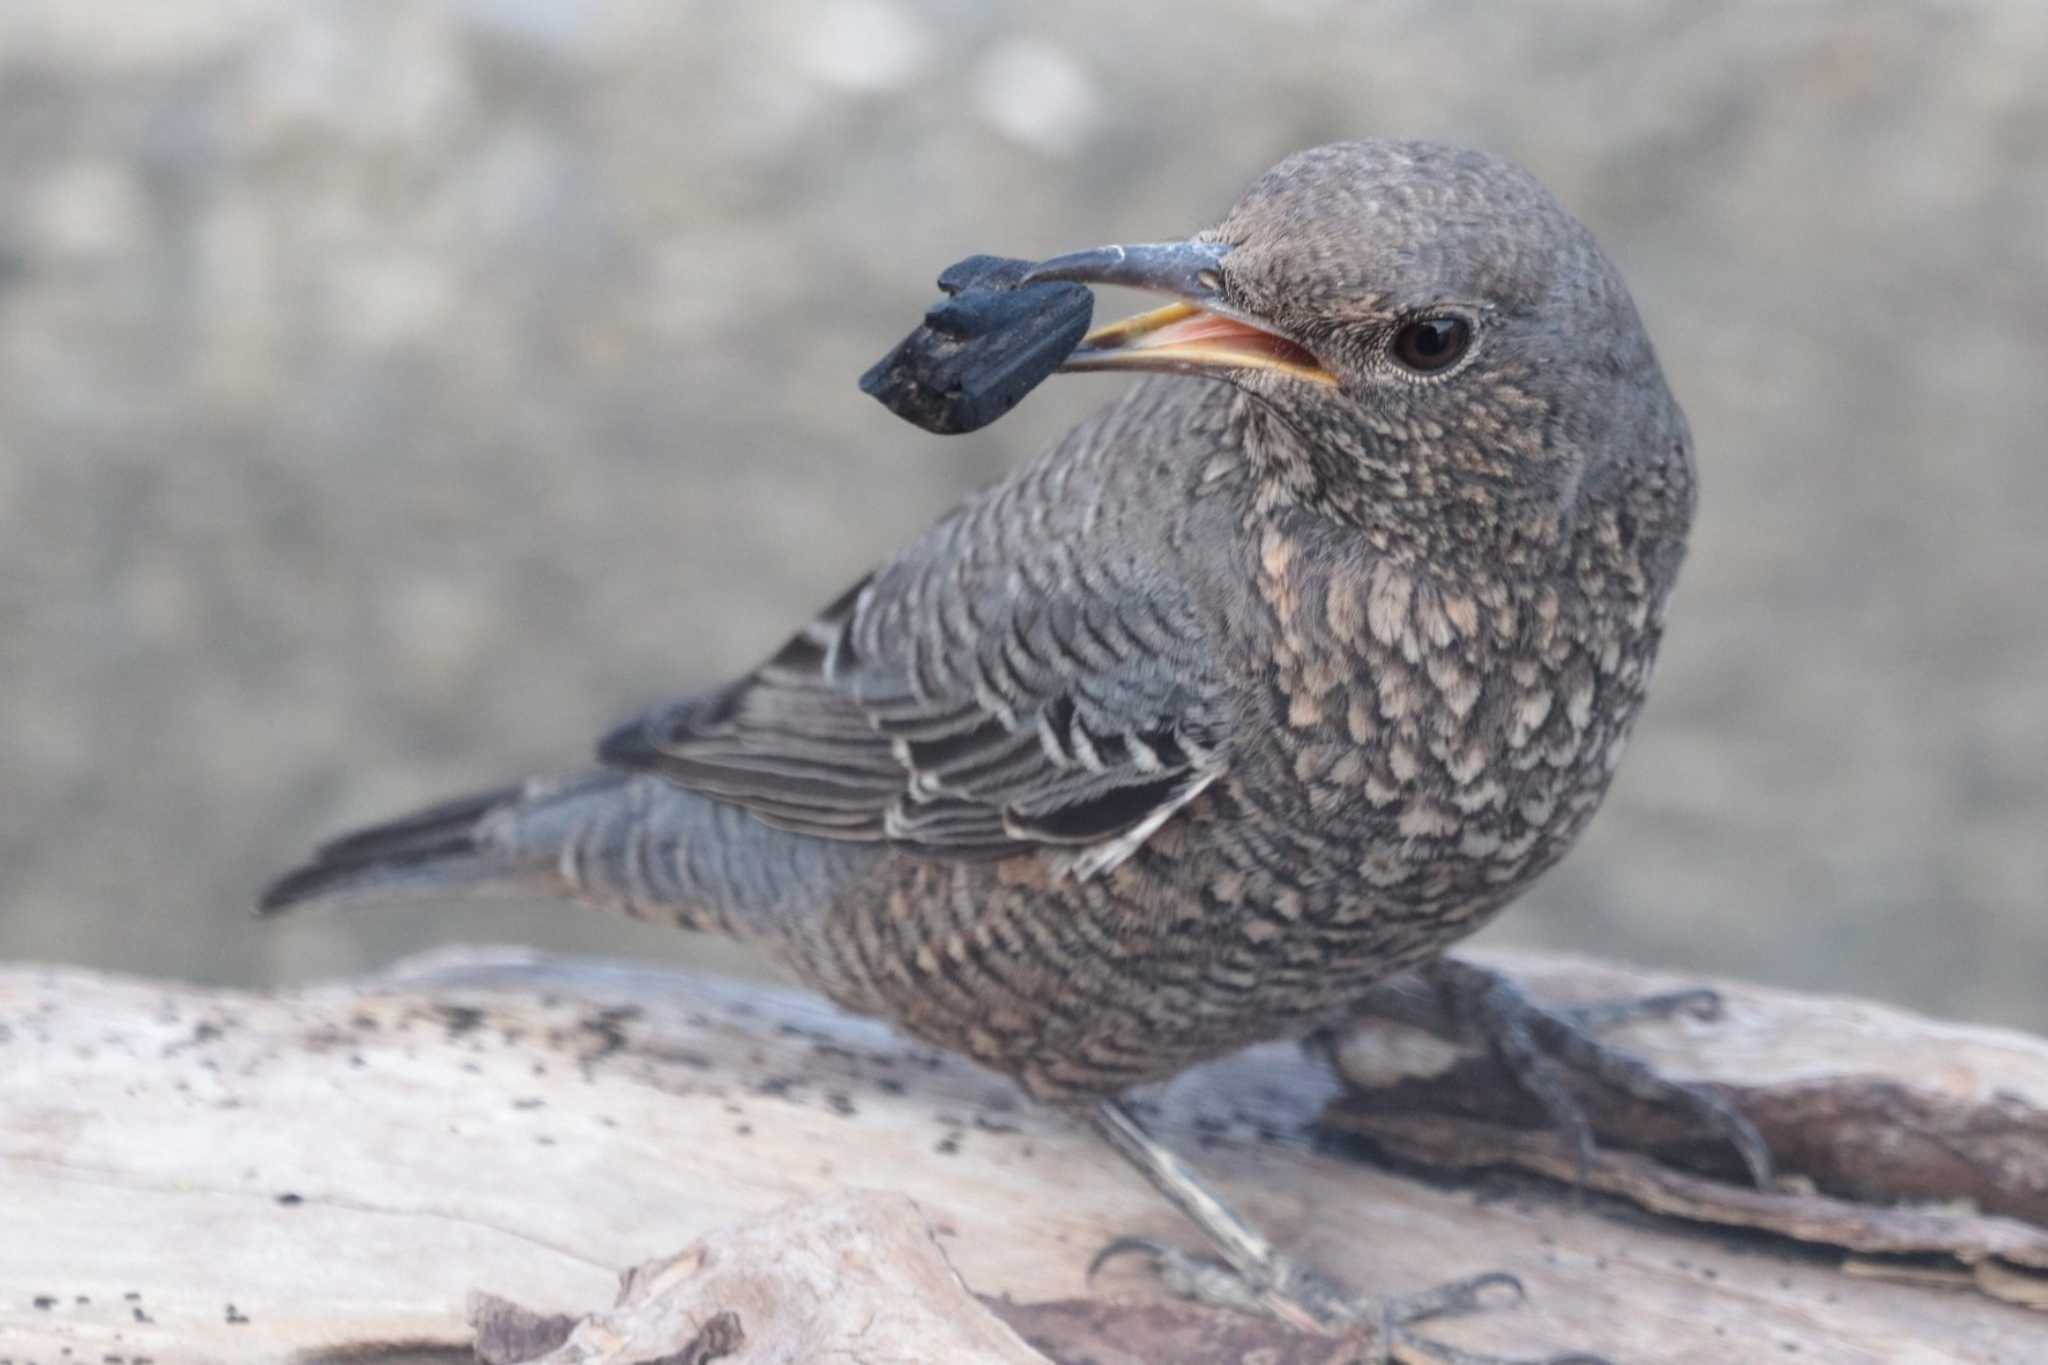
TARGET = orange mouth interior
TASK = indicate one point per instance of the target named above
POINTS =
(1181, 336)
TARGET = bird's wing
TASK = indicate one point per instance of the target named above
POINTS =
(966, 703)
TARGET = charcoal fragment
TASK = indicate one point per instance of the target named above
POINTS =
(989, 342)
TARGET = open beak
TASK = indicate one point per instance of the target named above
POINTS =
(1200, 334)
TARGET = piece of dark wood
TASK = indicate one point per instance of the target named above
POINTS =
(980, 349)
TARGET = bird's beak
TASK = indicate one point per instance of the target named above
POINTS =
(1200, 334)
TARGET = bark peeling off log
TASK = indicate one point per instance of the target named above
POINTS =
(1910, 1155)
(2015, 1253)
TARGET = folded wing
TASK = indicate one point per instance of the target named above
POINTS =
(968, 705)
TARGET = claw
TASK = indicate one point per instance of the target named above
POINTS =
(1700, 1002)
(1251, 1277)
(1126, 1246)
(1531, 1040)
(1409, 1350)
(1415, 1351)
(1458, 1296)
(1303, 1299)
(1478, 1284)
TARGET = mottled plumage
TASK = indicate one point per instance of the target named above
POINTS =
(1269, 681)
(1243, 696)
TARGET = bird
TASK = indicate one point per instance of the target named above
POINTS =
(1267, 683)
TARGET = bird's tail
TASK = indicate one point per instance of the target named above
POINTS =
(441, 849)
(627, 842)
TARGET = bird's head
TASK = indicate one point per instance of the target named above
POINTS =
(1420, 324)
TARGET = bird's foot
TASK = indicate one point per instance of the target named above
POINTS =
(1535, 1041)
(1294, 1294)
(1252, 1277)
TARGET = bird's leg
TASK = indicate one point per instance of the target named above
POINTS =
(1264, 1279)
(1534, 1041)
(1252, 1277)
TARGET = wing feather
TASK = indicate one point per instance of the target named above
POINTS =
(971, 700)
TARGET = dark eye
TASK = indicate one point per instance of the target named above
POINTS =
(1427, 345)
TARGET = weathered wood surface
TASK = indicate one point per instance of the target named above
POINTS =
(859, 1275)
(1919, 1149)
(203, 1176)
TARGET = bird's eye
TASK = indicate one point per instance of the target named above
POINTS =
(1428, 345)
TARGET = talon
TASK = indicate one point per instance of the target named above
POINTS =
(1755, 1152)
(1251, 1277)
(1413, 1350)
(1702, 1002)
(1532, 1041)
(1493, 1279)
(1456, 1297)
(1125, 1246)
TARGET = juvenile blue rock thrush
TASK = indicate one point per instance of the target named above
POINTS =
(1273, 679)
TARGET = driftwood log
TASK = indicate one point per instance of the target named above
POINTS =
(456, 1161)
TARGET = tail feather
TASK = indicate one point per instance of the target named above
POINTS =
(448, 848)
(449, 865)
(624, 841)
(434, 824)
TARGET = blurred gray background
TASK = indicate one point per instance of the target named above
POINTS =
(395, 395)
